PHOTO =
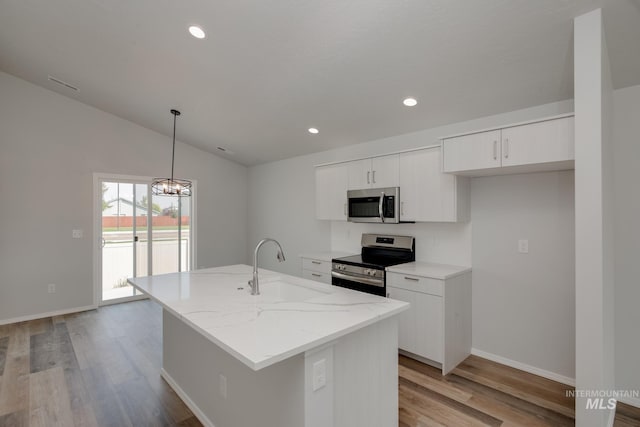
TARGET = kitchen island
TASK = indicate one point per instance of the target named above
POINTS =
(301, 353)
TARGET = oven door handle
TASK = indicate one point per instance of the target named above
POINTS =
(380, 207)
(363, 280)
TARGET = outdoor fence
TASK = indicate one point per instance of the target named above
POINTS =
(141, 221)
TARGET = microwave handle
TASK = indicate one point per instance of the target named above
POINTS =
(380, 212)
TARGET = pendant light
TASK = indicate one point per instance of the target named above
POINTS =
(172, 186)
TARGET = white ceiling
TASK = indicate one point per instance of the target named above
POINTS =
(270, 69)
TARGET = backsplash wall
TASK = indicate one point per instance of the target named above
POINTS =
(443, 243)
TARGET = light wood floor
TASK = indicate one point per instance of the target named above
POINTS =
(101, 368)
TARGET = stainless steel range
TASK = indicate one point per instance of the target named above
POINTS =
(366, 272)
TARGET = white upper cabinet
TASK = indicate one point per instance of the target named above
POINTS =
(427, 194)
(331, 191)
(359, 174)
(548, 141)
(471, 152)
(532, 147)
(376, 172)
(385, 171)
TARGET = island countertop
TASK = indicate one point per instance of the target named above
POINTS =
(292, 315)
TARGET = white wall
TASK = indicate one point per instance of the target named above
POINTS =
(524, 304)
(282, 199)
(627, 238)
(594, 217)
(282, 205)
(50, 146)
(444, 243)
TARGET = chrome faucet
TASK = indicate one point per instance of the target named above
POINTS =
(255, 289)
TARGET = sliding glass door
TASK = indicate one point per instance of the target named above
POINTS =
(141, 234)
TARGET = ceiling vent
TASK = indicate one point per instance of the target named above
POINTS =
(60, 82)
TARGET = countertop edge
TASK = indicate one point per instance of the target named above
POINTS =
(459, 270)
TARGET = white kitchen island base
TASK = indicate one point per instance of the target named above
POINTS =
(298, 354)
(358, 392)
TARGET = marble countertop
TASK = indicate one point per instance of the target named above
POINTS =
(285, 320)
(429, 269)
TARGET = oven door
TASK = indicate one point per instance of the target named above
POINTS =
(374, 205)
(369, 285)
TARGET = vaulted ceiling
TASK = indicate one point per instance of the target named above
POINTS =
(270, 69)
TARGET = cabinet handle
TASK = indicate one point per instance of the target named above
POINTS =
(495, 150)
(345, 209)
(368, 175)
(401, 208)
(316, 274)
(316, 262)
(373, 176)
(506, 148)
(413, 279)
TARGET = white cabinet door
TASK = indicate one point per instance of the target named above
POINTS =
(470, 152)
(385, 171)
(407, 326)
(429, 318)
(331, 192)
(542, 142)
(420, 329)
(318, 277)
(359, 174)
(377, 172)
(426, 194)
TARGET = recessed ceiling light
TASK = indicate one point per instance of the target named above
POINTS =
(410, 102)
(196, 32)
(313, 130)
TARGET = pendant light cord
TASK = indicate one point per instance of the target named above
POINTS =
(173, 153)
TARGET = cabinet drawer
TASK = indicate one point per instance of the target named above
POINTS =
(416, 283)
(318, 277)
(316, 265)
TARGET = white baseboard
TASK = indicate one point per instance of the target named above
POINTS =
(48, 314)
(186, 399)
(524, 367)
(630, 401)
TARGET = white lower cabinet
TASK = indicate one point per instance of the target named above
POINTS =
(316, 269)
(437, 326)
(420, 327)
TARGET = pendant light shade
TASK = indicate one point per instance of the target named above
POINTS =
(172, 186)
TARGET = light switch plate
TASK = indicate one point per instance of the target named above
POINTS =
(319, 374)
(223, 386)
(523, 246)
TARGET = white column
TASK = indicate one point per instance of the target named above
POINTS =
(594, 220)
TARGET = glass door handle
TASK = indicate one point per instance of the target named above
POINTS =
(104, 242)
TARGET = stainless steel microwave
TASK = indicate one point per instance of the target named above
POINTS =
(374, 205)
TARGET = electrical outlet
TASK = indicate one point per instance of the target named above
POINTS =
(223, 386)
(51, 288)
(523, 246)
(77, 234)
(319, 374)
